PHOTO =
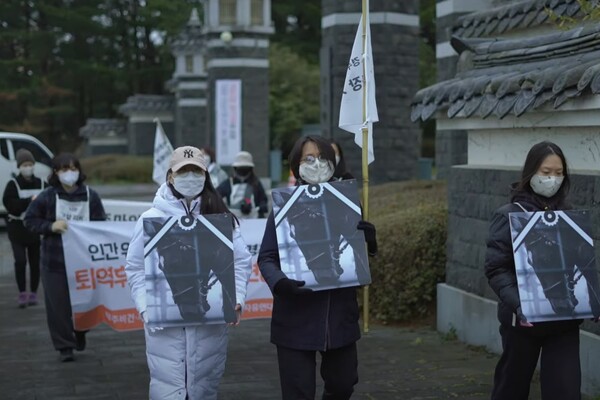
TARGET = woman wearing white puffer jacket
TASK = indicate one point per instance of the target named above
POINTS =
(185, 362)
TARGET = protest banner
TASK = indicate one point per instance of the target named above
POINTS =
(162, 154)
(358, 112)
(259, 300)
(555, 264)
(95, 263)
(228, 119)
(124, 210)
(96, 257)
(358, 107)
(317, 235)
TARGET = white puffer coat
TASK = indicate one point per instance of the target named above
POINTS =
(183, 361)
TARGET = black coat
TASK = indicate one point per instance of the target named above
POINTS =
(500, 264)
(16, 206)
(320, 320)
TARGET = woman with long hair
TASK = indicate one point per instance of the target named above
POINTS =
(543, 186)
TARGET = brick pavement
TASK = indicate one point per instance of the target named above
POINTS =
(395, 363)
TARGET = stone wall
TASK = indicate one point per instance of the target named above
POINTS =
(450, 146)
(191, 123)
(141, 136)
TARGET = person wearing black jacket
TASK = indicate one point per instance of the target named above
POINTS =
(304, 322)
(66, 199)
(18, 194)
(544, 185)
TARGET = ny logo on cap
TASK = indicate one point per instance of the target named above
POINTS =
(188, 153)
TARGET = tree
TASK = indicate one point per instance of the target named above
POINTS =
(298, 26)
(293, 95)
(63, 61)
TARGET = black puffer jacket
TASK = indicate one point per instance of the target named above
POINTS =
(500, 264)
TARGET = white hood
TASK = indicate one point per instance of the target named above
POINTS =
(166, 203)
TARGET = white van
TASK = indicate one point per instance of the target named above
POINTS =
(9, 144)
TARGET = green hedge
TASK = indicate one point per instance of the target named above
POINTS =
(117, 168)
(411, 219)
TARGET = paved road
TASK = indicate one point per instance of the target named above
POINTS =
(395, 363)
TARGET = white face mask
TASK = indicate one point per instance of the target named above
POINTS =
(26, 171)
(189, 184)
(318, 172)
(546, 186)
(68, 178)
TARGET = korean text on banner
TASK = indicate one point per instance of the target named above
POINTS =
(351, 108)
(259, 301)
(228, 119)
(162, 154)
(124, 210)
(95, 255)
(95, 263)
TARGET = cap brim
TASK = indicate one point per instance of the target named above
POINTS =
(179, 165)
(242, 165)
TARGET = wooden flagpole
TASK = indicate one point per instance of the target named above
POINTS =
(365, 152)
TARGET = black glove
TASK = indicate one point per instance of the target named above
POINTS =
(520, 316)
(370, 236)
(246, 208)
(290, 287)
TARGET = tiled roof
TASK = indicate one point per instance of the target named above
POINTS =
(520, 15)
(103, 127)
(191, 38)
(517, 75)
(146, 102)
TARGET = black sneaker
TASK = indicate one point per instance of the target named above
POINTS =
(66, 355)
(80, 341)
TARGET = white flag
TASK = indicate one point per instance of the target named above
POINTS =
(351, 109)
(162, 154)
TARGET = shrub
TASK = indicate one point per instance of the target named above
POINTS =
(411, 220)
(118, 168)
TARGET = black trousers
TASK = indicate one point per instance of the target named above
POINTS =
(58, 309)
(560, 370)
(339, 370)
(23, 252)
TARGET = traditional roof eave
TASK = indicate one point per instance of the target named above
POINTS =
(146, 103)
(95, 127)
(501, 76)
(521, 15)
